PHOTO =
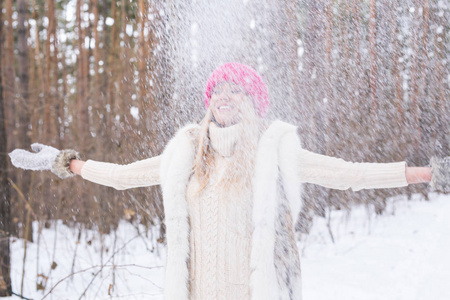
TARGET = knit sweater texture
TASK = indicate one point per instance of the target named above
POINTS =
(221, 229)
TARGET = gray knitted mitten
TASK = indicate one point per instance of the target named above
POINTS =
(440, 174)
(44, 158)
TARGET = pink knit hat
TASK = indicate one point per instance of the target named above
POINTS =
(244, 76)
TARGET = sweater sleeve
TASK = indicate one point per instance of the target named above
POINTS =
(138, 174)
(339, 174)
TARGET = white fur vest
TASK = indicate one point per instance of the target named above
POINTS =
(274, 261)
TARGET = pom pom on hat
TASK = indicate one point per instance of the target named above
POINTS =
(245, 77)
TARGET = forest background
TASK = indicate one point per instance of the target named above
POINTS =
(363, 80)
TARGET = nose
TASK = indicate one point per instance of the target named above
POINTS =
(224, 94)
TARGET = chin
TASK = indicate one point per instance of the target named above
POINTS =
(226, 120)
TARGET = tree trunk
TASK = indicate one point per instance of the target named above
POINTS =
(23, 110)
(48, 97)
(22, 64)
(82, 71)
(142, 60)
(39, 87)
(427, 111)
(373, 56)
(9, 69)
(5, 204)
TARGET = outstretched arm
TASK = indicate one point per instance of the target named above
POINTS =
(66, 163)
(141, 173)
(339, 174)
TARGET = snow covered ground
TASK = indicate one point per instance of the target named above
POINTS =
(403, 254)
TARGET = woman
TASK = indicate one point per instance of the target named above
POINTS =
(231, 188)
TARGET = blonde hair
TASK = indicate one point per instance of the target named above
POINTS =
(239, 170)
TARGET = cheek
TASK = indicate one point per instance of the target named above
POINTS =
(245, 103)
(217, 114)
(237, 100)
(248, 110)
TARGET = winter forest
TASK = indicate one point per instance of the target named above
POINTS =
(114, 79)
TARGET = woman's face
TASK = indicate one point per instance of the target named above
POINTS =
(228, 102)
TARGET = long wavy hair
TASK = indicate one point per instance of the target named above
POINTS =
(239, 171)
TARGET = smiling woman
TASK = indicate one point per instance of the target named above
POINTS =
(240, 78)
(232, 191)
(228, 101)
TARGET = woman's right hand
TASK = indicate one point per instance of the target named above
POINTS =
(40, 159)
(76, 165)
(44, 158)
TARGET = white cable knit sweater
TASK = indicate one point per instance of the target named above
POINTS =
(221, 225)
(221, 230)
